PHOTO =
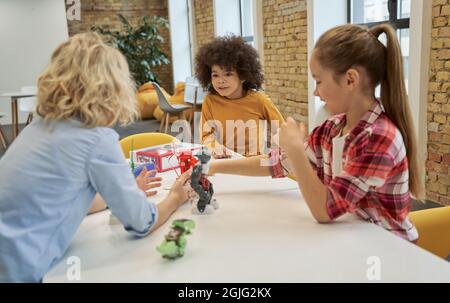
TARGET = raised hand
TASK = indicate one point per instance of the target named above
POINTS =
(146, 181)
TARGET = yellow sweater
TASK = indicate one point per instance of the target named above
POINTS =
(238, 124)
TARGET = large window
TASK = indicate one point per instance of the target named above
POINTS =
(374, 12)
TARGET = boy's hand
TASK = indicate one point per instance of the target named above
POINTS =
(145, 181)
(221, 152)
(291, 135)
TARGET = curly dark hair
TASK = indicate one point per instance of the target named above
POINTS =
(229, 52)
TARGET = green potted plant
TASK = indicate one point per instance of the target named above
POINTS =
(141, 45)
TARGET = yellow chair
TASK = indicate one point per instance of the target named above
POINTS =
(433, 226)
(144, 140)
(147, 100)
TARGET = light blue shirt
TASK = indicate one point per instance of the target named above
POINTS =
(48, 179)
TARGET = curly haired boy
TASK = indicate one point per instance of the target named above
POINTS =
(235, 111)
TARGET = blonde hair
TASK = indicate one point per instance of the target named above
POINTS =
(87, 80)
(344, 47)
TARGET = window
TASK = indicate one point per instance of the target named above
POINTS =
(246, 8)
(374, 12)
(181, 37)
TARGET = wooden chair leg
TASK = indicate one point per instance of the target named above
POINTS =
(167, 122)
(3, 138)
(161, 125)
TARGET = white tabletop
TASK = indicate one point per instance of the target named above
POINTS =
(262, 232)
(199, 101)
(17, 95)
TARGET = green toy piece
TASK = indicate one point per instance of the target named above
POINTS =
(175, 241)
(131, 156)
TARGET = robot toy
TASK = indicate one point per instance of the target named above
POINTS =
(201, 195)
(202, 198)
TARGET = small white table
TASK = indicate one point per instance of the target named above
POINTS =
(14, 110)
(195, 101)
(194, 95)
(262, 232)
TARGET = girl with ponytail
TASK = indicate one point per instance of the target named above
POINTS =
(363, 160)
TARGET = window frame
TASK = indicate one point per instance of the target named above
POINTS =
(398, 24)
(247, 39)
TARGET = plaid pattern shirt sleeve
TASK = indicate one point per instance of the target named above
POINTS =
(360, 174)
(276, 168)
(280, 166)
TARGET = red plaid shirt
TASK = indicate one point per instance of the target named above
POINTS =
(374, 178)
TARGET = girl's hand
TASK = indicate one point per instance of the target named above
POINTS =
(291, 135)
(146, 182)
(179, 190)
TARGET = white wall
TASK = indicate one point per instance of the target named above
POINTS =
(326, 14)
(29, 32)
(227, 17)
(180, 37)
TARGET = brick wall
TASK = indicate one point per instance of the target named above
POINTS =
(103, 13)
(204, 21)
(285, 56)
(438, 179)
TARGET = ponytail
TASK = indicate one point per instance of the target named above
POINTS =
(396, 106)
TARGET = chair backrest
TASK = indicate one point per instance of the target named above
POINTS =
(433, 226)
(163, 102)
(144, 140)
(28, 104)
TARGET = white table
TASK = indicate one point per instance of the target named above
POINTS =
(263, 232)
(195, 101)
(14, 113)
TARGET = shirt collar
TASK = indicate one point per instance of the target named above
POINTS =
(367, 120)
